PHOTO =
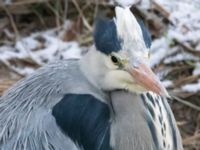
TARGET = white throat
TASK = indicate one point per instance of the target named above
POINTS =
(90, 64)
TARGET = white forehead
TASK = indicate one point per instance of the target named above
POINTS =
(128, 29)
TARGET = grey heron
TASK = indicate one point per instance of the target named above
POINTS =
(107, 100)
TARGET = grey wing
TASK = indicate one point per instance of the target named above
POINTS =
(45, 135)
(26, 121)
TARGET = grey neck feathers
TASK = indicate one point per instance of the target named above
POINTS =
(92, 67)
(148, 117)
(129, 120)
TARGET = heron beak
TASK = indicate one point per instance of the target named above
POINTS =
(144, 76)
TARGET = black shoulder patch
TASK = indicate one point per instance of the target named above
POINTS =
(85, 120)
(105, 36)
(145, 33)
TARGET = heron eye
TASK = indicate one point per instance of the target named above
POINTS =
(114, 59)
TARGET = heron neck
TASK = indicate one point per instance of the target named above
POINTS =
(128, 120)
(90, 67)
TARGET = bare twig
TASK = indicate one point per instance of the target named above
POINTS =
(85, 22)
(188, 48)
(191, 139)
(39, 17)
(186, 80)
(96, 8)
(186, 103)
(56, 13)
(65, 10)
(161, 9)
(12, 22)
(181, 123)
(58, 24)
(23, 2)
(12, 69)
(5, 84)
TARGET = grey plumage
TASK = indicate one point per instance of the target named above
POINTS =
(38, 112)
(26, 122)
(131, 117)
(25, 109)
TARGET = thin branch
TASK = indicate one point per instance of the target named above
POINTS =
(65, 10)
(96, 8)
(8, 65)
(56, 13)
(185, 80)
(85, 22)
(186, 103)
(12, 22)
(5, 84)
(161, 9)
(25, 2)
(39, 17)
(58, 24)
(187, 48)
(191, 139)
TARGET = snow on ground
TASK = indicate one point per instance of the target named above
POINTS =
(159, 50)
(46, 46)
(41, 47)
(194, 87)
(167, 83)
(180, 57)
(185, 16)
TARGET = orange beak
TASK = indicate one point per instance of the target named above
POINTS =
(145, 77)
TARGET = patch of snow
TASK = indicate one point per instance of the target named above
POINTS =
(195, 87)
(41, 47)
(180, 57)
(144, 4)
(167, 83)
(28, 42)
(180, 14)
(25, 70)
(193, 36)
(159, 50)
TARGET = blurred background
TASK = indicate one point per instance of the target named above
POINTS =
(34, 32)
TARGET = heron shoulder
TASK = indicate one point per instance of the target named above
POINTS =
(26, 105)
(85, 119)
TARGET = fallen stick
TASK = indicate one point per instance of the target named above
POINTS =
(191, 139)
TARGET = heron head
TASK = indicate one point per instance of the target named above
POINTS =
(121, 58)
